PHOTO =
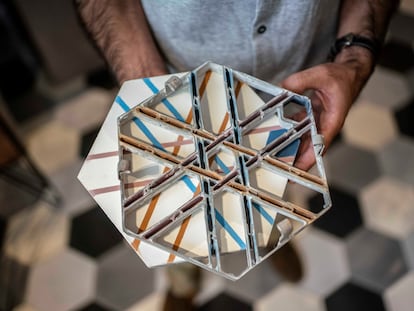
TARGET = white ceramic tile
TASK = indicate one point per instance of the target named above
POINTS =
(53, 145)
(387, 206)
(63, 282)
(85, 110)
(326, 265)
(36, 233)
(399, 297)
(289, 297)
(369, 126)
(386, 88)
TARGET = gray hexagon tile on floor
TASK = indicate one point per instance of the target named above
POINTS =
(325, 261)
(351, 168)
(62, 282)
(399, 297)
(376, 260)
(256, 283)
(123, 279)
(388, 207)
(408, 248)
(397, 159)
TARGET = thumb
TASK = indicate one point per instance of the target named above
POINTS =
(301, 81)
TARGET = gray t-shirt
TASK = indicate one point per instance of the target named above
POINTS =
(267, 39)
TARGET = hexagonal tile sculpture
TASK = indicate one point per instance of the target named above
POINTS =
(204, 164)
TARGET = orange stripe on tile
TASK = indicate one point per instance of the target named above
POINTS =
(181, 232)
(203, 85)
(154, 200)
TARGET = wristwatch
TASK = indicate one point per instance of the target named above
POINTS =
(351, 39)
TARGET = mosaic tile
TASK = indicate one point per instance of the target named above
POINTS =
(397, 55)
(404, 117)
(376, 260)
(397, 159)
(226, 302)
(86, 110)
(289, 297)
(369, 126)
(387, 206)
(351, 168)
(353, 297)
(324, 257)
(399, 297)
(343, 217)
(92, 233)
(75, 198)
(122, 278)
(53, 146)
(386, 88)
(13, 276)
(36, 234)
(63, 282)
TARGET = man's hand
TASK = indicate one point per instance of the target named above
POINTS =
(334, 87)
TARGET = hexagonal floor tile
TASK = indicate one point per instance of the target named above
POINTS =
(387, 206)
(408, 248)
(351, 168)
(85, 110)
(93, 307)
(256, 283)
(13, 276)
(387, 88)
(342, 218)
(369, 126)
(289, 297)
(354, 297)
(123, 279)
(397, 55)
(62, 282)
(153, 302)
(53, 145)
(36, 233)
(397, 159)
(405, 117)
(226, 302)
(399, 297)
(93, 233)
(376, 260)
(325, 261)
(75, 198)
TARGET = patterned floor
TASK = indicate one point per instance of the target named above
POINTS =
(359, 256)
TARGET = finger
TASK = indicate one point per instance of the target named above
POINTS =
(304, 80)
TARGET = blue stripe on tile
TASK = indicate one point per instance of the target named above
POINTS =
(230, 230)
(165, 101)
(221, 164)
(265, 214)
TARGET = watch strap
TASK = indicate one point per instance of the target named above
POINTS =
(354, 40)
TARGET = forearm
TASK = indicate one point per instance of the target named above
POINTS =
(121, 32)
(368, 18)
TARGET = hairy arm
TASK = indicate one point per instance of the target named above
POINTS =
(336, 85)
(121, 32)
